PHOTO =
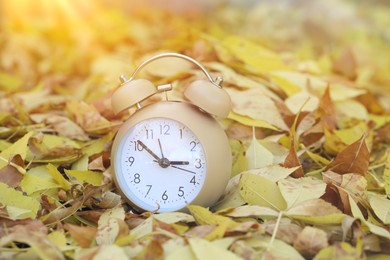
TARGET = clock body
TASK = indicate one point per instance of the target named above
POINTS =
(170, 154)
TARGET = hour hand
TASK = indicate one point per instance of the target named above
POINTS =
(180, 162)
(149, 151)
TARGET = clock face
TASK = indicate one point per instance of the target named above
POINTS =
(160, 165)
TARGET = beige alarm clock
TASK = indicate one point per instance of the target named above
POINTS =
(170, 154)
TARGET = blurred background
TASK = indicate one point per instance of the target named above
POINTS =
(62, 44)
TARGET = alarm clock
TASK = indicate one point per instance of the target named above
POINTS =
(170, 154)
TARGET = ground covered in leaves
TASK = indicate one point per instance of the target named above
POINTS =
(309, 129)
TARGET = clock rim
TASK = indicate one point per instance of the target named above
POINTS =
(211, 135)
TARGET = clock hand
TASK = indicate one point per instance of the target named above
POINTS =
(179, 168)
(149, 151)
(159, 144)
(180, 162)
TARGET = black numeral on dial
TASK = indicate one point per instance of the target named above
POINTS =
(137, 178)
(149, 187)
(164, 195)
(181, 191)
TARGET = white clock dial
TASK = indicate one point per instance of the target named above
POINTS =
(161, 165)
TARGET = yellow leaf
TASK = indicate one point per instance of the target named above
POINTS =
(182, 252)
(302, 101)
(351, 109)
(58, 238)
(19, 147)
(341, 250)
(380, 204)
(258, 190)
(251, 54)
(38, 241)
(94, 178)
(245, 120)
(32, 183)
(316, 211)
(109, 252)
(287, 86)
(204, 249)
(386, 175)
(88, 118)
(13, 198)
(10, 82)
(254, 104)
(238, 80)
(249, 211)
(238, 156)
(297, 190)
(57, 176)
(356, 212)
(109, 227)
(257, 156)
(352, 134)
(297, 81)
(99, 145)
(205, 217)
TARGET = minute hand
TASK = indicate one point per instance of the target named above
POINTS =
(149, 151)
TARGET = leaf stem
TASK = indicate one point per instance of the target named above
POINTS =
(275, 230)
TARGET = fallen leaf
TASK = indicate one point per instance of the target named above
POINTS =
(295, 191)
(19, 147)
(327, 111)
(353, 159)
(292, 160)
(16, 200)
(109, 226)
(257, 106)
(91, 177)
(310, 241)
(203, 249)
(381, 206)
(257, 156)
(39, 242)
(205, 217)
(83, 235)
(258, 190)
(340, 250)
(346, 64)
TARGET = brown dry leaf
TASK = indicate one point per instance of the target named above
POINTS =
(83, 235)
(153, 250)
(327, 111)
(353, 159)
(42, 246)
(10, 174)
(88, 118)
(345, 64)
(310, 240)
(292, 160)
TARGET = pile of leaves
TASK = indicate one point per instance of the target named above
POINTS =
(309, 128)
